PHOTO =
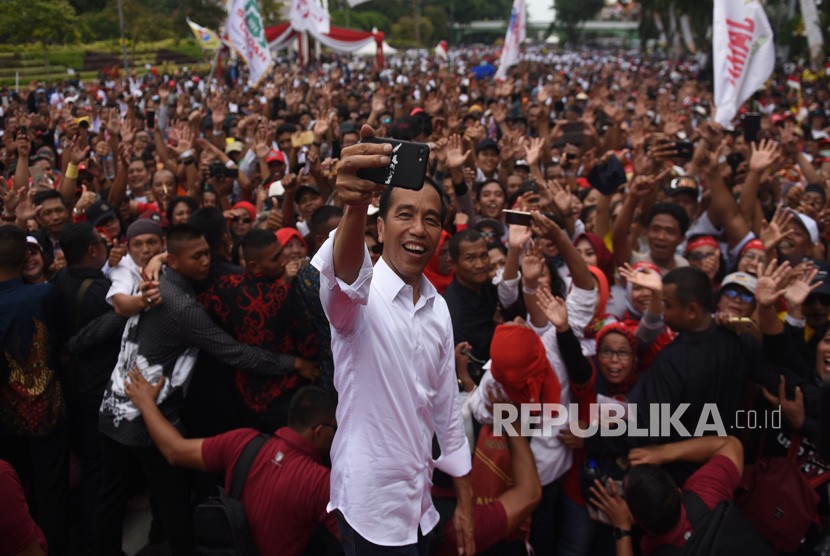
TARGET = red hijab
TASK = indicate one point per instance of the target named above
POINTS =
(440, 281)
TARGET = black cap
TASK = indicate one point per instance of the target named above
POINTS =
(487, 144)
(406, 128)
(99, 213)
(304, 189)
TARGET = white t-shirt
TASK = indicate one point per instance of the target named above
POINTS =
(125, 278)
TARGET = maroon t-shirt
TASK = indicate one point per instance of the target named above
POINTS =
(287, 490)
(714, 482)
(17, 528)
(489, 527)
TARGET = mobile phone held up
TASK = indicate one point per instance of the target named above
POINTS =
(407, 169)
(517, 217)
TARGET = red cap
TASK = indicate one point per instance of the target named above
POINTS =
(284, 235)
(247, 206)
(520, 364)
(275, 156)
(417, 110)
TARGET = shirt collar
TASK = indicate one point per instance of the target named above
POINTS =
(390, 284)
(299, 442)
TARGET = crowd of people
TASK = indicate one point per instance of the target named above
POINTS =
(182, 267)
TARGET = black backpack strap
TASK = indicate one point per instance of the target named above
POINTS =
(696, 509)
(240, 471)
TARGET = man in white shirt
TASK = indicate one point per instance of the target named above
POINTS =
(394, 368)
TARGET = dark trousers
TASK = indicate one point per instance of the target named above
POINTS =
(169, 485)
(43, 466)
(543, 524)
(90, 440)
(355, 545)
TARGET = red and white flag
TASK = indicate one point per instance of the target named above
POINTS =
(793, 82)
(744, 54)
(513, 39)
(308, 15)
(441, 50)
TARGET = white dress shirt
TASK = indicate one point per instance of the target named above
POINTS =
(394, 370)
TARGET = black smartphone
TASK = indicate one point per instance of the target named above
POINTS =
(752, 125)
(734, 160)
(151, 119)
(517, 217)
(574, 133)
(407, 169)
(685, 150)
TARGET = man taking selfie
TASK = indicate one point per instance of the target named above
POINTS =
(394, 367)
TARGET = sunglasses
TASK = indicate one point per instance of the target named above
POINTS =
(238, 219)
(735, 294)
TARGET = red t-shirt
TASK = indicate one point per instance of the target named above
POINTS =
(714, 482)
(489, 527)
(17, 528)
(285, 496)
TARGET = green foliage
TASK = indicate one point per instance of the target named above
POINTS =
(364, 21)
(570, 14)
(44, 21)
(403, 31)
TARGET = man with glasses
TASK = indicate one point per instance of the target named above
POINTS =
(287, 488)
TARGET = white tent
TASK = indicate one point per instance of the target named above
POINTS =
(371, 49)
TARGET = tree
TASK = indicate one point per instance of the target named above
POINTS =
(45, 21)
(403, 31)
(571, 13)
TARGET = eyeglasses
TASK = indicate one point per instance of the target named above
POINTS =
(697, 256)
(238, 219)
(735, 294)
(622, 355)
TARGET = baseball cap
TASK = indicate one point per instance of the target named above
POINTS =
(304, 190)
(742, 279)
(32, 240)
(490, 223)
(683, 184)
(275, 156)
(487, 144)
(156, 217)
(284, 235)
(808, 224)
(99, 212)
(234, 147)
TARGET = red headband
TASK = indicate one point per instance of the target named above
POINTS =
(702, 242)
(752, 244)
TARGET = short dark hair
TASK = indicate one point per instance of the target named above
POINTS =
(480, 187)
(286, 128)
(255, 241)
(321, 216)
(42, 196)
(181, 234)
(386, 199)
(75, 240)
(693, 286)
(12, 247)
(189, 201)
(674, 210)
(469, 235)
(653, 498)
(212, 224)
(311, 406)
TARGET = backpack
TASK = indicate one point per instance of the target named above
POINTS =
(220, 524)
(723, 531)
(779, 499)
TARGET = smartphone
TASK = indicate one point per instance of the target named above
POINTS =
(517, 217)
(151, 119)
(734, 160)
(40, 178)
(752, 125)
(407, 169)
(685, 150)
(303, 139)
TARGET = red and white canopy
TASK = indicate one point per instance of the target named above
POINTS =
(338, 39)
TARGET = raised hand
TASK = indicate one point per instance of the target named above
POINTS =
(456, 157)
(533, 148)
(351, 189)
(518, 236)
(544, 227)
(78, 152)
(644, 277)
(117, 253)
(561, 197)
(86, 200)
(533, 264)
(773, 232)
(647, 455)
(793, 410)
(554, 308)
(768, 288)
(796, 293)
(763, 155)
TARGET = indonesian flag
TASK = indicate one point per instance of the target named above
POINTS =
(826, 68)
(793, 82)
(247, 36)
(206, 38)
(441, 50)
(744, 54)
(513, 39)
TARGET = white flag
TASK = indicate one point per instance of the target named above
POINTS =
(247, 36)
(353, 3)
(308, 15)
(744, 54)
(513, 39)
(812, 28)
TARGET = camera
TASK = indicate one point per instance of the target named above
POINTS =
(219, 170)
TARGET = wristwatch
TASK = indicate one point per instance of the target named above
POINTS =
(620, 533)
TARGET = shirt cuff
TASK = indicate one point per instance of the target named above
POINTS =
(458, 463)
(797, 323)
(324, 262)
